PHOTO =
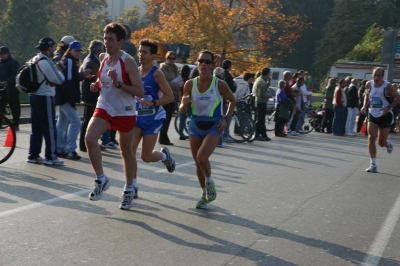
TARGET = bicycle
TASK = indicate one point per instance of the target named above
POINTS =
(309, 123)
(8, 137)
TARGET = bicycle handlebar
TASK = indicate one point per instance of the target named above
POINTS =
(248, 96)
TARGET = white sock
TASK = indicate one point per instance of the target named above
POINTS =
(387, 142)
(134, 182)
(209, 179)
(101, 178)
(204, 190)
(128, 188)
(373, 161)
(164, 157)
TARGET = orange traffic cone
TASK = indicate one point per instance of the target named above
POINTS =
(9, 138)
(363, 129)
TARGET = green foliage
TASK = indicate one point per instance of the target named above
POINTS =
(370, 47)
(83, 19)
(131, 18)
(347, 26)
(24, 23)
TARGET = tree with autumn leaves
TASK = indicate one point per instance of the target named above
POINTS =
(243, 31)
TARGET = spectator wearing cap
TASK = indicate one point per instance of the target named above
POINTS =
(171, 73)
(8, 70)
(62, 47)
(89, 98)
(43, 107)
(67, 96)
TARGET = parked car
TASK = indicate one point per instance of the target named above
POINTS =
(271, 105)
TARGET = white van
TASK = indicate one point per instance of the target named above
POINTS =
(277, 74)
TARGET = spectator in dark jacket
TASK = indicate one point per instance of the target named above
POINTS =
(352, 107)
(89, 98)
(67, 96)
(328, 107)
(8, 70)
(227, 66)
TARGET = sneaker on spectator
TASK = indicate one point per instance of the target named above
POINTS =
(114, 141)
(202, 204)
(62, 154)
(169, 162)
(211, 192)
(98, 188)
(372, 169)
(38, 160)
(228, 139)
(293, 133)
(73, 156)
(126, 200)
(351, 134)
(111, 145)
(301, 131)
(220, 145)
(55, 161)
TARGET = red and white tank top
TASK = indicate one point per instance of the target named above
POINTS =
(113, 100)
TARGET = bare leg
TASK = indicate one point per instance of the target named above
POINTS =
(128, 156)
(383, 134)
(96, 128)
(372, 136)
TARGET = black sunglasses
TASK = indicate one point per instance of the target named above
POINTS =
(171, 58)
(207, 61)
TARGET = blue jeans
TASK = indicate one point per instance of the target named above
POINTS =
(68, 128)
(182, 122)
(105, 138)
(300, 122)
(338, 120)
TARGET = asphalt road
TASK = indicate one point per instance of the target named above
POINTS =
(303, 200)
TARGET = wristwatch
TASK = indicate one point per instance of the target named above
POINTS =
(154, 102)
(120, 85)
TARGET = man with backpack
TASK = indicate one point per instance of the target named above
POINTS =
(42, 105)
(8, 70)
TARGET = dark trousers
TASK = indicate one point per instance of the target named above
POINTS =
(295, 118)
(169, 109)
(339, 122)
(260, 124)
(43, 123)
(327, 121)
(87, 115)
(12, 98)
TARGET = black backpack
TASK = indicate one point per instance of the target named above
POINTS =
(26, 79)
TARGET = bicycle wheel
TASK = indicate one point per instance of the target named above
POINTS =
(309, 124)
(269, 122)
(8, 140)
(177, 121)
(241, 127)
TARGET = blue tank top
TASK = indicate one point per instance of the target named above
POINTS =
(151, 92)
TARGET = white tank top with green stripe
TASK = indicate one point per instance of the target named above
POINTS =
(208, 103)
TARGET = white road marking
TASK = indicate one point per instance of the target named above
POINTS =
(45, 202)
(68, 196)
(377, 248)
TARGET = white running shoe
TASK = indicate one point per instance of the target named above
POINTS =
(126, 200)
(389, 148)
(98, 188)
(372, 169)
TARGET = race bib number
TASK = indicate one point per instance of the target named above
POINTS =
(142, 110)
(376, 102)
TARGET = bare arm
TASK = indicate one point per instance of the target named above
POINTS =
(393, 93)
(366, 98)
(187, 91)
(227, 94)
(136, 89)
